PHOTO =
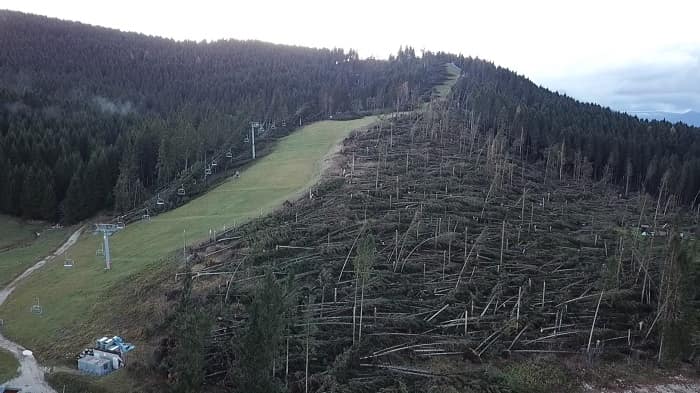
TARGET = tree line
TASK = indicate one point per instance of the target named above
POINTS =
(94, 118)
(582, 138)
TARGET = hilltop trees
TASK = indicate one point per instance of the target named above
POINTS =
(632, 153)
(119, 114)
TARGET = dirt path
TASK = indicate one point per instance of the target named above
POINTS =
(31, 375)
(675, 385)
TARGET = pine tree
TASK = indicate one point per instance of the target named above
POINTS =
(74, 207)
(32, 194)
(191, 328)
(262, 338)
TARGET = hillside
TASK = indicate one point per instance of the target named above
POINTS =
(444, 251)
(144, 246)
(94, 118)
(472, 232)
(594, 141)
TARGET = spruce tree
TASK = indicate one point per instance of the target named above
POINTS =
(191, 329)
(262, 338)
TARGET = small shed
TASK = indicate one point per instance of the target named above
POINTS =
(94, 365)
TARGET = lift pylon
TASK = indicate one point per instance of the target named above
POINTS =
(107, 230)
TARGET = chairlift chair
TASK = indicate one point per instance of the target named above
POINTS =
(68, 262)
(121, 224)
(207, 171)
(246, 140)
(229, 154)
(146, 216)
(181, 190)
(159, 200)
(36, 308)
(213, 163)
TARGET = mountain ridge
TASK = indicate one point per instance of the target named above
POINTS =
(690, 117)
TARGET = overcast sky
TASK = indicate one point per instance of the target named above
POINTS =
(630, 55)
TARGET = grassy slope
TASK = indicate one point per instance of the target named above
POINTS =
(151, 285)
(13, 231)
(453, 73)
(8, 366)
(69, 296)
(24, 247)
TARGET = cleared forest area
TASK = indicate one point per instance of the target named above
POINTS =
(475, 256)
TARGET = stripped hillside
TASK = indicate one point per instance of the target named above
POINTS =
(436, 255)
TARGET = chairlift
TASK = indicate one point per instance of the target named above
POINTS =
(36, 308)
(229, 154)
(100, 252)
(246, 140)
(207, 171)
(159, 200)
(284, 123)
(181, 190)
(146, 216)
(121, 224)
(68, 262)
(213, 163)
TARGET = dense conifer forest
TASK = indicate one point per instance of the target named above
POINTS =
(93, 118)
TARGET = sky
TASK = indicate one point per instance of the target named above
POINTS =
(629, 55)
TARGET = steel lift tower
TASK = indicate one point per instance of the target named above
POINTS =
(107, 230)
(253, 126)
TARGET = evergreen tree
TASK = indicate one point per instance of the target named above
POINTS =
(48, 201)
(32, 194)
(191, 329)
(262, 338)
(74, 206)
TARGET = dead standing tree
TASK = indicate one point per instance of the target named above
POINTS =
(363, 262)
(416, 188)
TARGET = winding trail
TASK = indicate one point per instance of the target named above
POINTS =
(31, 374)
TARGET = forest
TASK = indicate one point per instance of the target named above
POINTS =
(436, 256)
(94, 119)
(502, 238)
(585, 138)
